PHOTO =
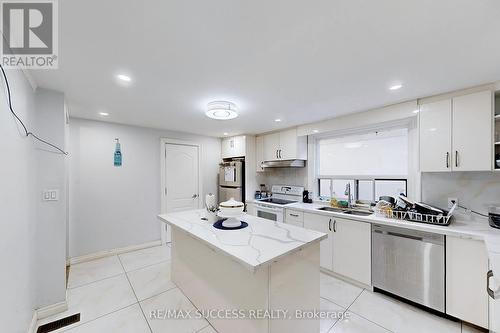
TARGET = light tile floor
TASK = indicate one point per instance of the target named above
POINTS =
(116, 294)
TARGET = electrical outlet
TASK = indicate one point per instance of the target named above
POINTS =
(452, 201)
(50, 195)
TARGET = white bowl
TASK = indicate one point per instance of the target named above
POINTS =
(231, 208)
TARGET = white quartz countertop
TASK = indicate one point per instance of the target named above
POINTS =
(461, 226)
(259, 244)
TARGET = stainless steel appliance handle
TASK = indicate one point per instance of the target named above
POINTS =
(488, 289)
(397, 234)
(456, 158)
(447, 159)
(268, 209)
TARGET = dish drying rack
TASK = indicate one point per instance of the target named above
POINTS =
(443, 220)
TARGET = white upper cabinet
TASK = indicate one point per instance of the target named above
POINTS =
(271, 146)
(288, 145)
(456, 133)
(472, 132)
(285, 145)
(259, 153)
(435, 136)
(234, 147)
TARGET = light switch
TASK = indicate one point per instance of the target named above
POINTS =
(50, 195)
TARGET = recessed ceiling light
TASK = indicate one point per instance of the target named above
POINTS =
(221, 110)
(124, 78)
(226, 134)
(396, 87)
(315, 131)
(277, 120)
(104, 114)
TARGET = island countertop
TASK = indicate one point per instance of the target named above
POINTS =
(259, 244)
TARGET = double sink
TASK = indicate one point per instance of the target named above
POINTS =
(349, 211)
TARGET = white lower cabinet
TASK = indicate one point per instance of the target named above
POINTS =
(494, 301)
(352, 249)
(347, 251)
(250, 209)
(294, 217)
(466, 270)
(322, 223)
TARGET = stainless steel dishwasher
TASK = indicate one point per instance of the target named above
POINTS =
(409, 264)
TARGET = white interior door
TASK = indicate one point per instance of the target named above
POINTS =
(182, 190)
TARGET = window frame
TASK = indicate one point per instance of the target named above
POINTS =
(356, 180)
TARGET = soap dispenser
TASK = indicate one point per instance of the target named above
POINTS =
(118, 153)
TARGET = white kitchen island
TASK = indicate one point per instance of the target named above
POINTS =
(263, 275)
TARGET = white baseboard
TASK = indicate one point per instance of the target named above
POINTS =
(112, 252)
(34, 319)
(51, 310)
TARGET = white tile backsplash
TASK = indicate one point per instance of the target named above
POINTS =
(474, 190)
(283, 176)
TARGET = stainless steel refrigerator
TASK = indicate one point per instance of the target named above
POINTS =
(232, 180)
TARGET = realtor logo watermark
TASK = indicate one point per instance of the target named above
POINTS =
(30, 34)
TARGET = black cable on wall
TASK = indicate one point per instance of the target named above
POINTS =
(26, 132)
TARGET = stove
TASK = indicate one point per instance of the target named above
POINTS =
(277, 201)
(273, 208)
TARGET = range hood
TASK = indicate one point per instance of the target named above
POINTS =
(284, 164)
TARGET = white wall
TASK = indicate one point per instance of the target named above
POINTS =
(50, 226)
(32, 233)
(113, 207)
(17, 208)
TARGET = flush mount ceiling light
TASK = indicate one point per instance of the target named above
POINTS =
(396, 87)
(124, 78)
(221, 110)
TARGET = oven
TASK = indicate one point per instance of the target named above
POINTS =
(269, 212)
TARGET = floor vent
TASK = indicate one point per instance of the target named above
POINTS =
(49, 327)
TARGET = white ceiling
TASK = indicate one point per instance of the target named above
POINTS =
(300, 61)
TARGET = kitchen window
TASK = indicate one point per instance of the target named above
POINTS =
(374, 164)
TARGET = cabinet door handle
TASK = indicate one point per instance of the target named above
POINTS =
(456, 158)
(334, 225)
(488, 289)
(330, 225)
(294, 215)
(447, 160)
(276, 153)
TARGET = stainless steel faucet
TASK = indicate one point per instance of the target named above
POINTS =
(348, 193)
